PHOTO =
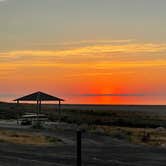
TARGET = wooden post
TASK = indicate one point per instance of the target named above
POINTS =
(79, 147)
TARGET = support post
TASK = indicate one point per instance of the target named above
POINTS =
(59, 109)
(79, 148)
(17, 112)
(39, 106)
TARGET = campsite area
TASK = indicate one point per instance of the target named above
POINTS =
(117, 141)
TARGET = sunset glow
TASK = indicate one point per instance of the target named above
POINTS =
(96, 65)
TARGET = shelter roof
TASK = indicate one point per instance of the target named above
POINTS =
(40, 96)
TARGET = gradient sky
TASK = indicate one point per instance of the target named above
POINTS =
(85, 51)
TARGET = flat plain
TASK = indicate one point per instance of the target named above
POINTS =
(110, 137)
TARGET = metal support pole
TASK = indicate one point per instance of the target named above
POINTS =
(39, 106)
(17, 112)
(59, 109)
(79, 147)
(38, 109)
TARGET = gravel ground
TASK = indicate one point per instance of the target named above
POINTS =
(98, 150)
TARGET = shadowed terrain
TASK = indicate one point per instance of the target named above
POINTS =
(97, 150)
(108, 144)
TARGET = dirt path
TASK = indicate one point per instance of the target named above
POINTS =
(98, 150)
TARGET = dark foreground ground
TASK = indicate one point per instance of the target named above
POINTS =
(98, 150)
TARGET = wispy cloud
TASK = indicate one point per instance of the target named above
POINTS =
(95, 50)
(109, 94)
(84, 42)
(128, 48)
(101, 56)
(125, 95)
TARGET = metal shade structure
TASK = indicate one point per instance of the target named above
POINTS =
(39, 97)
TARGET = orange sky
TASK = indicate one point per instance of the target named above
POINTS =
(116, 73)
(98, 51)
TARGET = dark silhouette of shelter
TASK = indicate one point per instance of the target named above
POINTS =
(39, 97)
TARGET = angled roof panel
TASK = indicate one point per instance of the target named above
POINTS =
(39, 96)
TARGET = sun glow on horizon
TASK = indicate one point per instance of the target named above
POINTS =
(113, 69)
(83, 51)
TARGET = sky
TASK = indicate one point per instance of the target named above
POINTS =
(85, 51)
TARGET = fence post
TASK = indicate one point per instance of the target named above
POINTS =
(79, 147)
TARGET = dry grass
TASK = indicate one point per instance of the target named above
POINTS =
(133, 135)
(26, 138)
